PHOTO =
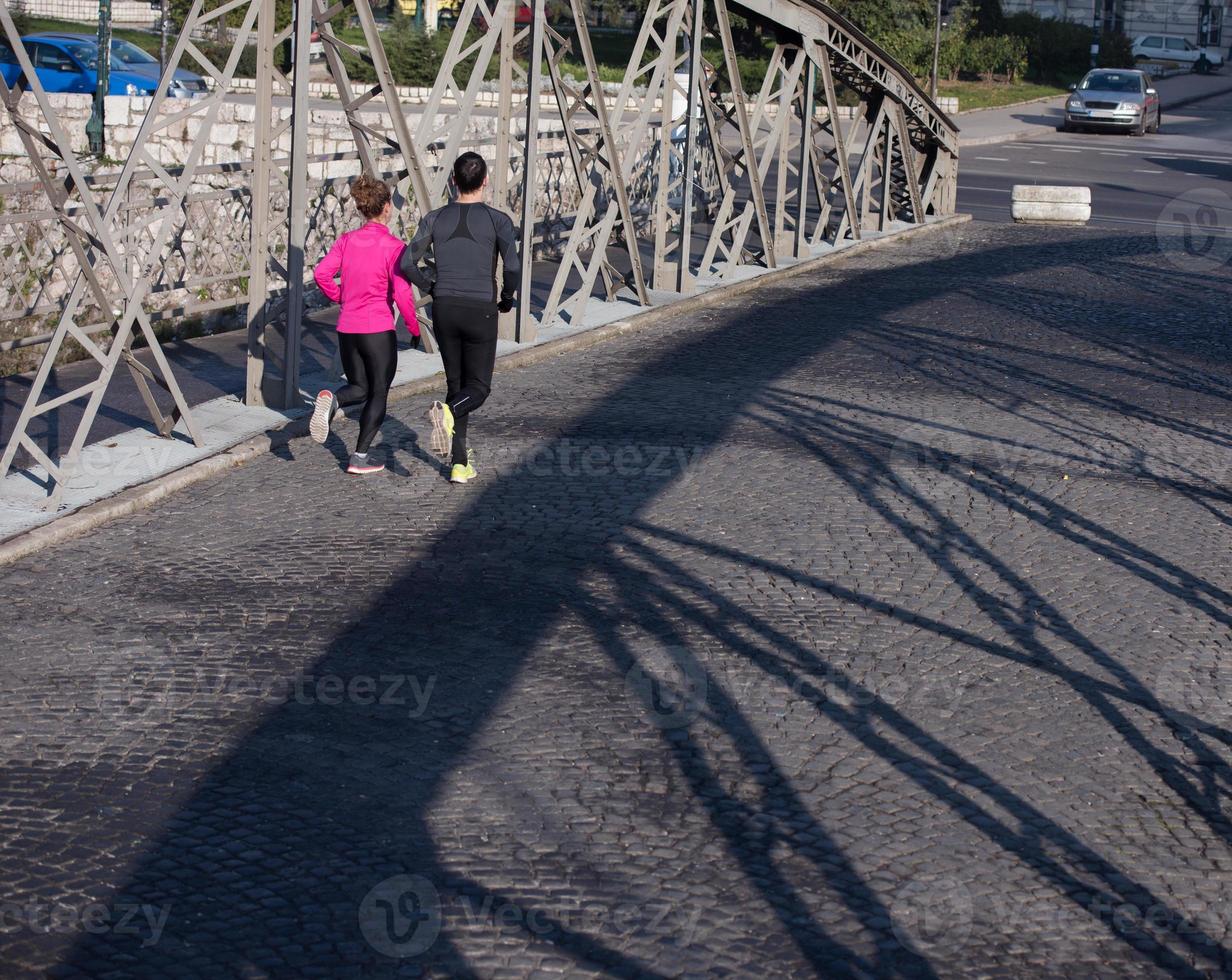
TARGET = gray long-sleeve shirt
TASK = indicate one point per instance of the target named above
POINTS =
(464, 240)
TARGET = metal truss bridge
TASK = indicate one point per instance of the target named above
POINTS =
(680, 175)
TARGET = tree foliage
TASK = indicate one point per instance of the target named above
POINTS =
(879, 18)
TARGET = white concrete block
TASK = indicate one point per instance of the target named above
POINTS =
(1046, 194)
(1050, 212)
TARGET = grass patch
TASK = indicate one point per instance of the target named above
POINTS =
(990, 95)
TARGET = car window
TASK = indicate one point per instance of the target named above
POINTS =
(1176, 44)
(130, 54)
(6, 54)
(50, 57)
(1111, 81)
(84, 51)
(1153, 42)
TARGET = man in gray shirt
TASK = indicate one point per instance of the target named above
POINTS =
(465, 237)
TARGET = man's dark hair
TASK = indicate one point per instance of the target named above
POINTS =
(469, 170)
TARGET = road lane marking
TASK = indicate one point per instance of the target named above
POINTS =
(995, 159)
(1148, 171)
(1038, 163)
(1144, 152)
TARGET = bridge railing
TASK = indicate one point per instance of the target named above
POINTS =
(679, 179)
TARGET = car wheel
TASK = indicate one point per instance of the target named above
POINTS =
(1140, 129)
(1159, 121)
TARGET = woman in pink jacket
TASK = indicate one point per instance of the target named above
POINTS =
(366, 263)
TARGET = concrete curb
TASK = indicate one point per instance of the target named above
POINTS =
(139, 498)
(1011, 137)
(1013, 105)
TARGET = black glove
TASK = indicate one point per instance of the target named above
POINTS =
(505, 305)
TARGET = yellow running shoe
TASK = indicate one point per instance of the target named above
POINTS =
(459, 473)
(442, 428)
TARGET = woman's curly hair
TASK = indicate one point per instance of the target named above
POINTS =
(370, 195)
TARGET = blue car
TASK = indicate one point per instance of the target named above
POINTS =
(69, 63)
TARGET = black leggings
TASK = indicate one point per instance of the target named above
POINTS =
(466, 335)
(369, 360)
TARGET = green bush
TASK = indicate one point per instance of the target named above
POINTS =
(1000, 56)
(21, 17)
(1056, 50)
(415, 56)
(913, 49)
(218, 53)
(1115, 50)
(879, 18)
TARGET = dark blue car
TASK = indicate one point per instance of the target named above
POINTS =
(69, 63)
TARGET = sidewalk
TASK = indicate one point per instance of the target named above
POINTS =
(1010, 123)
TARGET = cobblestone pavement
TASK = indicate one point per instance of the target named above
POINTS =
(874, 625)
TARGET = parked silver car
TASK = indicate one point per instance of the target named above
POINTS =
(1109, 98)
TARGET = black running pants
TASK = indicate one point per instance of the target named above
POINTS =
(369, 360)
(466, 335)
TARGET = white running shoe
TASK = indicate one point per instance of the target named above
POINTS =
(324, 410)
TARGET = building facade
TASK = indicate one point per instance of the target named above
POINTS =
(1205, 22)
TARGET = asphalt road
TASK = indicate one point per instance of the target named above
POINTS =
(1132, 180)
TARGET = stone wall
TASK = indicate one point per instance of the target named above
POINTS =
(205, 261)
(128, 12)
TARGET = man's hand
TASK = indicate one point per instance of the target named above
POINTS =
(505, 305)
